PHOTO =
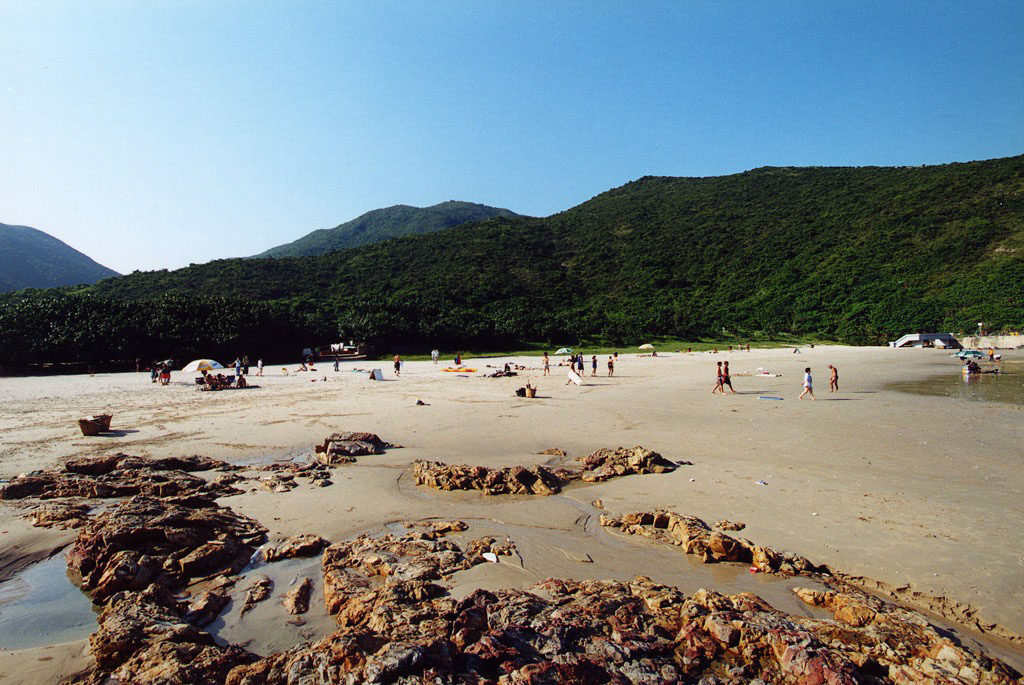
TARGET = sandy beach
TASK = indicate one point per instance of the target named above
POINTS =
(921, 495)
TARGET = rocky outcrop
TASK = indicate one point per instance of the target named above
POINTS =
(296, 600)
(605, 464)
(145, 540)
(602, 465)
(726, 524)
(512, 480)
(607, 631)
(305, 545)
(257, 591)
(696, 537)
(120, 476)
(343, 448)
(62, 514)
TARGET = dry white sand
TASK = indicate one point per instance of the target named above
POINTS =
(917, 492)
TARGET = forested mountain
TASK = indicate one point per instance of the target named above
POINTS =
(383, 224)
(30, 258)
(853, 254)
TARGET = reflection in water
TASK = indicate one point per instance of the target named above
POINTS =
(1006, 387)
(41, 606)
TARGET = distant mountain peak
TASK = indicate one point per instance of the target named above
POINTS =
(30, 258)
(383, 224)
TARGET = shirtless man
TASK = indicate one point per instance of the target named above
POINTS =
(833, 380)
(718, 382)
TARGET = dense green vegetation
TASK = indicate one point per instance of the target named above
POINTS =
(384, 224)
(30, 258)
(852, 254)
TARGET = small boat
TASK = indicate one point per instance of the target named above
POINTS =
(94, 425)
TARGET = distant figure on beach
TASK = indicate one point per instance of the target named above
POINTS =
(808, 384)
(458, 359)
(547, 365)
(718, 381)
(579, 365)
(336, 360)
(593, 365)
(245, 365)
(726, 379)
(154, 372)
(833, 380)
(611, 367)
(991, 354)
(748, 347)
(434, 355)
(259, 366)
(689, 350)
(238, 368)
(398, 365)
(165, 374)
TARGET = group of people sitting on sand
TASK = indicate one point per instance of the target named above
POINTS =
(222, 382)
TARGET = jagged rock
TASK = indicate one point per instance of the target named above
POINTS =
(343, 448)
(606, 463)
(296, 600)
(258, 591)
(120, 476)
(513, 480)
(697, 538)
(98, 466)
(61, 514)
(209, 605)
(726, 524)
(305, 545)
(143, 540)
(279, 482)
(415, 556)
(554, 452)
(605, 631)
(476, 548)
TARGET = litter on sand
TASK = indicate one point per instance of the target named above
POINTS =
(768, 397)
(760, 482)
(491, 557)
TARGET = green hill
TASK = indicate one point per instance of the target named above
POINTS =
(854, 254)
(30, 258)
(383, 224)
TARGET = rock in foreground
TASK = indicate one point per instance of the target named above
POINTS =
(511, 480)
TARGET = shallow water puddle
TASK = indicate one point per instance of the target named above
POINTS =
(1006, 387)
(41, 606)
(265, 628)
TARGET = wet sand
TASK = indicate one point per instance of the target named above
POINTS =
(922, 493)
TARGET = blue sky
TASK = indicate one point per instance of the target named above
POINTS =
(155, 134)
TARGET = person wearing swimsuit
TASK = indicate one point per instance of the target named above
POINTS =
(833, 381)
(718, 383)
(726, 379)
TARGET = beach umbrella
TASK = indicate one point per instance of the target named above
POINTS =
(202, 365)
(647, 346)
(563, 350)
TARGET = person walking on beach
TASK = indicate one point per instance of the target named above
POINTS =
(718, 381)
(245, 365)
(833, 380)
(808, 384)
(593, 365)
(398, 365)
(434, 354)
(611, 367)
(336, 362)
(238, 368)
(259, 366)
(726, 378)
(547, 365)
